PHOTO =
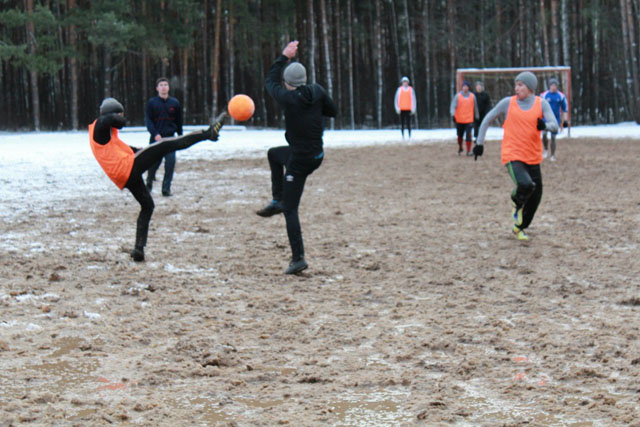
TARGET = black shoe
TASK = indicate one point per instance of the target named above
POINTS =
(214, 129)
(167, 193)
(138, 254)
(296, 267)
(271, 209)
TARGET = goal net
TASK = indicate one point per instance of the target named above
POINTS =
(498, 82)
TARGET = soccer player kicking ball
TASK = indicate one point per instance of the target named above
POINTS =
(305, 107)
(521, 148)
(124, 164)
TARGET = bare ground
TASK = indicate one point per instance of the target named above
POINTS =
(419, 306)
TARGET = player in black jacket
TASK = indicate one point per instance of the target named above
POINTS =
(484, 106)
(305, 107)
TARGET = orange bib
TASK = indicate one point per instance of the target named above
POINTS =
(406, 100)
(521, 140)
(115, 157)
(465, 109)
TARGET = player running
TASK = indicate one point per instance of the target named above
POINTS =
(304, 109)
(124, 164)
(521, 148)
(464, 110)
(404, 103)
(558, 103)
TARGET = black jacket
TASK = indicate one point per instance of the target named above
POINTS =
(484, 103)
(304, 111)
(163, 117)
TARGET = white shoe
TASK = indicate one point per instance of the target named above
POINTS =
(545, 154)
(553, 158)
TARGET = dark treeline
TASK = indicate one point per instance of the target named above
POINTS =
(59, 58)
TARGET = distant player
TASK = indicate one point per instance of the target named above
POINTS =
(558, 103)
(163, 118)
(464, 110)
(483, 100)
(405, 105)
(124, 164)
(524, 118)
(305, 107)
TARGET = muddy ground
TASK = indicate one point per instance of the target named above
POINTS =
(419, 306)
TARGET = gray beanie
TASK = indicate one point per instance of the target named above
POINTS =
(529, 80)
(295, 74)
(478, 82)
(553, 81)
(404, 79)
(111, 105)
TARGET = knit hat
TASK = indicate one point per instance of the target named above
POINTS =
(529, 80)
(111, 105)
(295, 74)
(480, 83)
(404, 79)
(467, 84)
(553, 81)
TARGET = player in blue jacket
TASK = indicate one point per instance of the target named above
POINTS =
(558, 103)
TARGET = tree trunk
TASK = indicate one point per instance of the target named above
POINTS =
(33, 75)
(395, 41)
(312, 48)
(452, 47)
(634, 59)
(338, 54)
(545, 35)
(554, 33)
(73, 39)
(426, 31)
(325, 49)
(216, 60)
(626, 54)
(378, 30)
(565, 32)
(410, 50)
(350, 65)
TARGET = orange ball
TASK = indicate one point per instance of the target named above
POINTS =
(241, 107)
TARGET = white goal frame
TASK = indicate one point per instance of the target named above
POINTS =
(564, 71)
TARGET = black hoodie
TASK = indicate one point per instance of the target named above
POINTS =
(304, 111)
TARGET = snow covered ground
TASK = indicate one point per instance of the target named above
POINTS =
(43, 168)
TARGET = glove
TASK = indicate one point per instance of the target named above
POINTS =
(454, 120)
(541, 124)
(565, 124)
(477, 151)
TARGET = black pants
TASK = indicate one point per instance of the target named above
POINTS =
(528, 191)
(405, 121)
(463, 129)
(476, 126)
(145, 158)
(288, 176)
(169, 168)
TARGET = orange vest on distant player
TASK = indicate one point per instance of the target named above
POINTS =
(465, 109)
(521, 139)
(405, 100)
(115, 157)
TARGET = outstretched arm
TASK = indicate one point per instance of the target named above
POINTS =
(500, 109)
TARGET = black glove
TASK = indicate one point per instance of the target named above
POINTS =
(478, 150)
(541, 124)
(454, 120)
(565, 124)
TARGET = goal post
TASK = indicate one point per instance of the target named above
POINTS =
(498, 82)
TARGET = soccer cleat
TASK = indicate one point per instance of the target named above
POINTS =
(517, 214)
(553, 158)
(138, 254)
(273, 208)
(520, 234)
(167, 193)
(545, 154)
(296, 267)
(469, 154)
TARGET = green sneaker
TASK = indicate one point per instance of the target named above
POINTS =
(520, 234)
(517, 214)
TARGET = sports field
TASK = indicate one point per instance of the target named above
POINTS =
(419, 306)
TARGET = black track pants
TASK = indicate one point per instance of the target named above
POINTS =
(528, 191)
(144, 158)
(405, 122)
(288, 176)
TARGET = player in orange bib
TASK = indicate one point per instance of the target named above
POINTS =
(464, 110)
(404, 103)
(124, 164)
(521, 148)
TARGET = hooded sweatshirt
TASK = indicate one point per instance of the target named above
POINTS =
(304, 111)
